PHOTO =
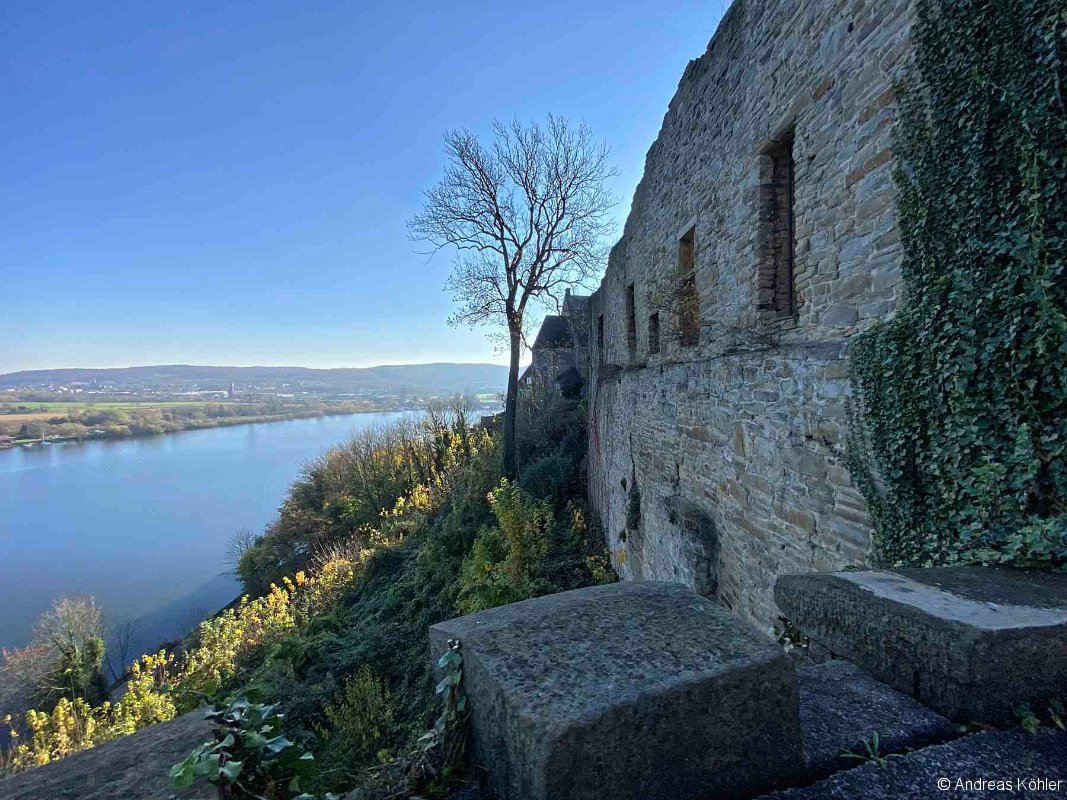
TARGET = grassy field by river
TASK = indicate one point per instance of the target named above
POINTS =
(14, 407)
(27, 422)
(17, 413)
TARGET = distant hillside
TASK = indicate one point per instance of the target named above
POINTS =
(420, 378)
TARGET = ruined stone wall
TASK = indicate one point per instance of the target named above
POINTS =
(721, 463)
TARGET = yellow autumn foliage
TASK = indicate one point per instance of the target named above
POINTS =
(161, 686)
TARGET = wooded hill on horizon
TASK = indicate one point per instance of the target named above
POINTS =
(437, 378)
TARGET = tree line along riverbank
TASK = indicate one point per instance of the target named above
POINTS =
(31, 424)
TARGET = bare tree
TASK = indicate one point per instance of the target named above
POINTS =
(22, 675)
(69, 638)
(192, 617)
(240, 543)
(68, 624)
(527, 217)
(121, 637)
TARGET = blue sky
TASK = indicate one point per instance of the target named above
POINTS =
(228, 183)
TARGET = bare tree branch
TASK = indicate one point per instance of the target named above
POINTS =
(241, 542)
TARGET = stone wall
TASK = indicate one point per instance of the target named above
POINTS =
(721, 463)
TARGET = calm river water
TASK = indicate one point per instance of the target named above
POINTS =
(142, 524)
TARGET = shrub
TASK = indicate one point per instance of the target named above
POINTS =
(362, 730)
(64, 658)
(74, 725)
(343, 495)
(249, 757)
(162, 686)
(506, 560)
(548, 478)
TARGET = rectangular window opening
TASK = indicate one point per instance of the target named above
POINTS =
(600, 339)
(653, 333)
(777, 288)
(687, 247)
(631, 321)
(688, 297)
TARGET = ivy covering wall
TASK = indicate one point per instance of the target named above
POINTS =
(958, 441)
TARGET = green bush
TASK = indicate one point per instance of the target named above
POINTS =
(548, 478)
(959, 439)
(249, 758)
(506, 559)
(361, 729)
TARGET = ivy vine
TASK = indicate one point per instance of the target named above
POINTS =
(958, 436)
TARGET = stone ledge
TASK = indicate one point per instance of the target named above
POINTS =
(631, 690)
(996, 756)
(970, 642)
(841, 707)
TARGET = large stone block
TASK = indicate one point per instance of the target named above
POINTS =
(971, 642)
(632, 690)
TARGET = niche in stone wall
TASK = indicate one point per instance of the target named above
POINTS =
(632, 535)
(698, 545)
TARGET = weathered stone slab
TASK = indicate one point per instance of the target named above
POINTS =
(999, 764)
(134, 767)
(632, 690)
(841, 707)
(970, 642)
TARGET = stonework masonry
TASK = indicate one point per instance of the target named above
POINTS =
(720, 463)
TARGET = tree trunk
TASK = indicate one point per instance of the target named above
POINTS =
(511, 402)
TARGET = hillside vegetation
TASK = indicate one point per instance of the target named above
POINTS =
(380, 538)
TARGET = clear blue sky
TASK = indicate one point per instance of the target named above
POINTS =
(228, 183)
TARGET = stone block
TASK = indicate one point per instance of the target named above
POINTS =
(839, 315)
(632, 690)
(1002, 764)
(134, 767)
(970, 642)
(842, 707)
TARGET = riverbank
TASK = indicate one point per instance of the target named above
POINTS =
(143, 521)
(90, 423)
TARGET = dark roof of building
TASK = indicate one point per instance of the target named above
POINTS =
(575, 304)
(569, 377)
(555, 332)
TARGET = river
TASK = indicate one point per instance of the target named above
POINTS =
(142, 524)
